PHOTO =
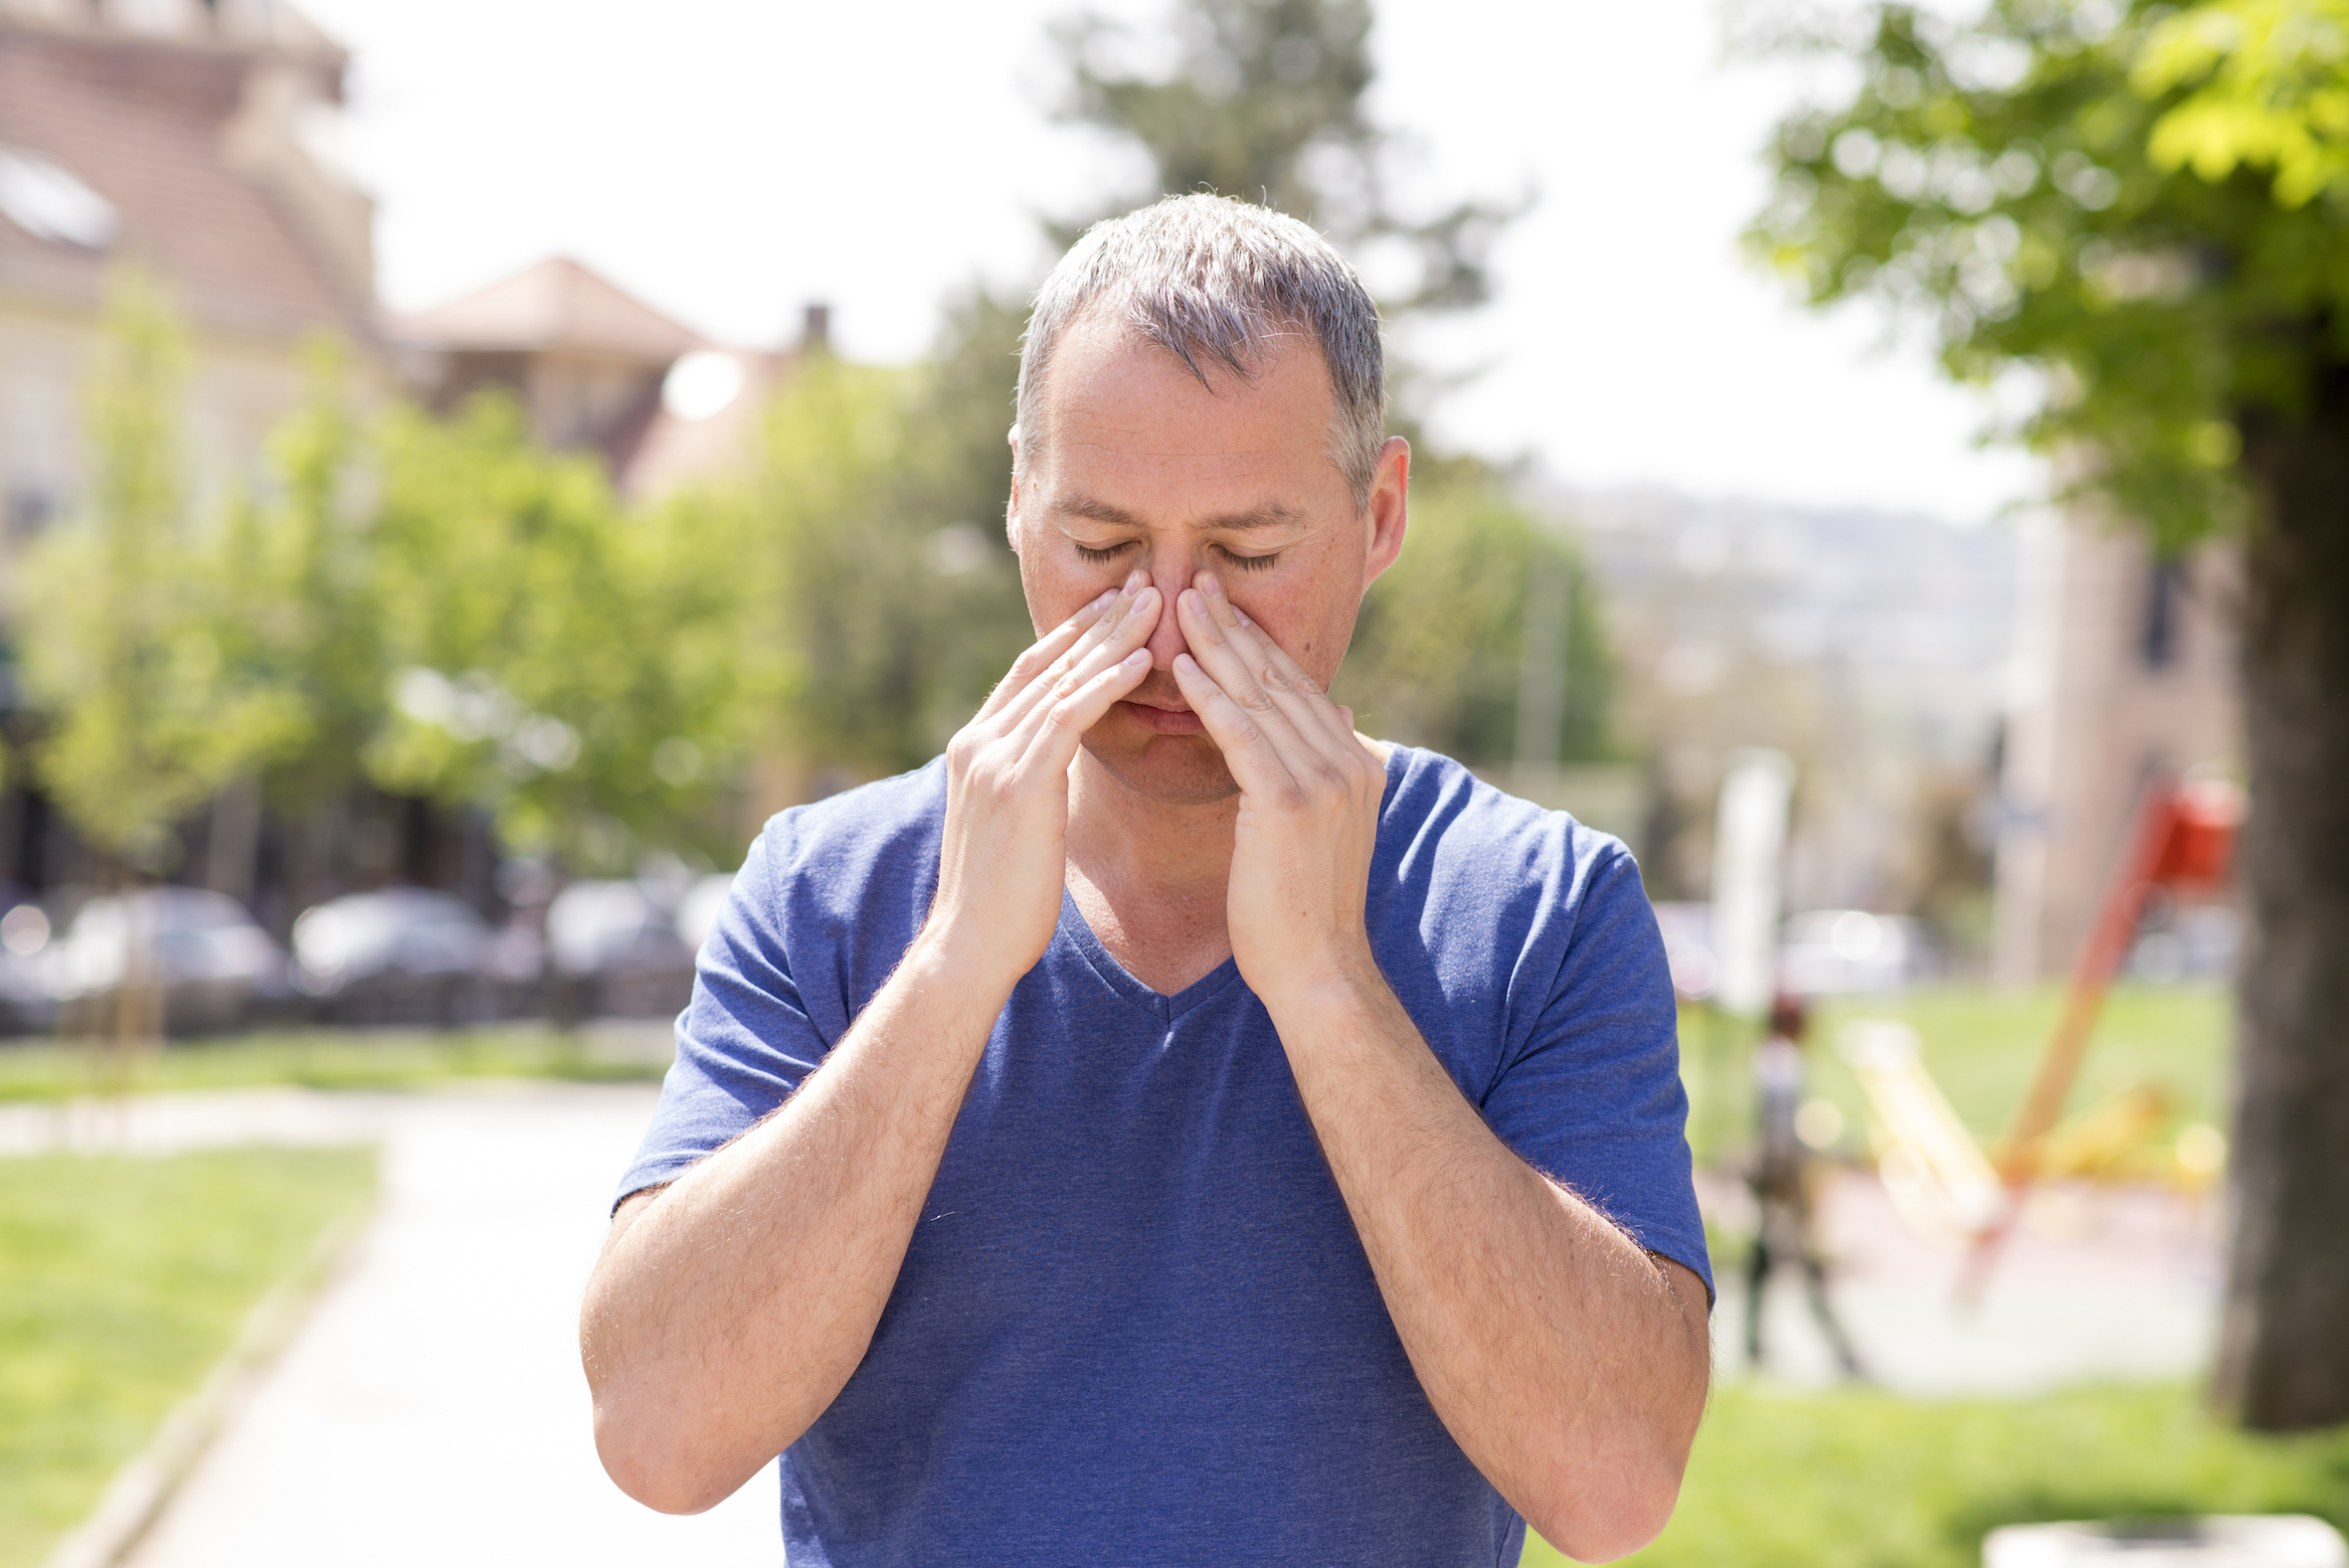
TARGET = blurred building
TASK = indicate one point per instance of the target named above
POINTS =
(596, 369)
(1871, 648)
(193, 139)
(2125, 664)
(190, 140)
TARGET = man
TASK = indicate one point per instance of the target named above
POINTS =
(1172, 1127)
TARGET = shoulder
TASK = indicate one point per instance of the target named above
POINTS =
(1444, 832)
(864, 827)
(842, 859)
(1489, 913)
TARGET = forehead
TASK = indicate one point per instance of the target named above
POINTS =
(1115, 402)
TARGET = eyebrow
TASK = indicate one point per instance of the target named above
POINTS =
(1270, 514)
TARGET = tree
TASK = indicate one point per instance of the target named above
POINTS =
(1441, 654)
(549, 655)
(1265, 103)
(285, 589)
(149, 709)
(886, 601)
(2148, 205)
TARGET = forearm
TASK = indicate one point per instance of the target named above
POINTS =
(728, 1310)
(1569, 1364)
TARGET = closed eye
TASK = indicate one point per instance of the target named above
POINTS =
(1109, 553)
(1241, 563)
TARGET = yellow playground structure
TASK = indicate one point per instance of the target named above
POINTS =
(1939, 1178)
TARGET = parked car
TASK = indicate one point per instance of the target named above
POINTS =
(617, 953)
(699, 909)
(405, 955)
(28, 1001)
(217, 968)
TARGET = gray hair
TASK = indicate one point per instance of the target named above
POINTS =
(1213, 278)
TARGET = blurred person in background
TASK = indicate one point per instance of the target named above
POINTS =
(1781, 1181)
(1172, 1127)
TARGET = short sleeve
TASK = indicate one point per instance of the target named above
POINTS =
(1593, 1098)
(744, 1043)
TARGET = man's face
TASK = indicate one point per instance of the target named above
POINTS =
(1140, 468)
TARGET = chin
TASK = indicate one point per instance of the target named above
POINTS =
(1172, 770)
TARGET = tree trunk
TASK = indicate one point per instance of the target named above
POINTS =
(2284, 1358)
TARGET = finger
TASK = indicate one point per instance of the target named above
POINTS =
(1119, 627)
(1063, 724)
(1043, 654)
(1301, 696)
(1256, 763)
(1129, 633)
(1236, 671)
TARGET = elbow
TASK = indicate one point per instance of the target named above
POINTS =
(657, 1464)
(1598, 1518)
(1600, 1536)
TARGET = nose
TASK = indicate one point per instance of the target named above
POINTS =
(1170, 572)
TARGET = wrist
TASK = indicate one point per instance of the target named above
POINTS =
(1337, 992)
(948, 962)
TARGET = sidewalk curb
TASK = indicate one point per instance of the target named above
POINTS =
(144, 1487)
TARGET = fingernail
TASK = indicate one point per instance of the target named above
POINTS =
(1107, 595)
(1138, 656)
(1207, 582)
(1136, 581)
(1243, 615)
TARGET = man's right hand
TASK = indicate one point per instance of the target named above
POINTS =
(1003, 861)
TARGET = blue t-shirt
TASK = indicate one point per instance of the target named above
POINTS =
(1135, 1323)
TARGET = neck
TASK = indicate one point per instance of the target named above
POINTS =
(1120, 839)
(1151, 876)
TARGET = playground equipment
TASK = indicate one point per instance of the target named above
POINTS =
(1935, 1172)
(2183, 840)
(1940, 1180)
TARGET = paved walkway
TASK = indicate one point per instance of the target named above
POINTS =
(2119, 1283)
(433, 1407)
(433, 1410)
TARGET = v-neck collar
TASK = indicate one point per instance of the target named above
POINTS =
(1159, 1004)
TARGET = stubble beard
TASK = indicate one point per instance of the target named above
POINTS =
(1163, 769)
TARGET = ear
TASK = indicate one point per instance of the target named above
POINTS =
(1011, 511)
(1388, 511)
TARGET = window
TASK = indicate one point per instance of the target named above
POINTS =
(2157, 641)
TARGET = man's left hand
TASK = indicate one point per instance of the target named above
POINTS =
(1310, 795)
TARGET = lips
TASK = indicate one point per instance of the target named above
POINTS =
(1164, 721)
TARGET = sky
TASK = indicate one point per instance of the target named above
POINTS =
(731, 160)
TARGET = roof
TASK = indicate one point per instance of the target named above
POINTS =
(691, 435)
(555, 305)
(145, 124)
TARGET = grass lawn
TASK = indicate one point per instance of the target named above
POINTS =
(1982, 1046)
(1864, 1479)
(323, 1059)
(123, 1283)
